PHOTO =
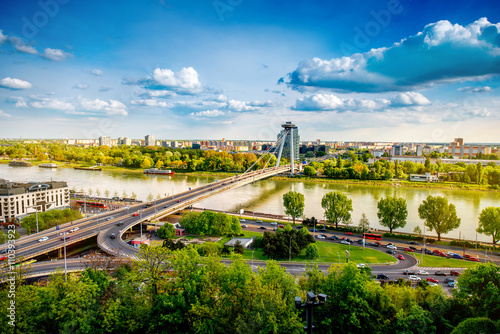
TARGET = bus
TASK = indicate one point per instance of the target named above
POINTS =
(92, 204)
(372, 236)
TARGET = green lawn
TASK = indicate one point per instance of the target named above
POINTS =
(437, 261)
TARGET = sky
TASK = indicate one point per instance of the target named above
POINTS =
(387, 71)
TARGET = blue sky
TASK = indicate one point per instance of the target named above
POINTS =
(396, 70)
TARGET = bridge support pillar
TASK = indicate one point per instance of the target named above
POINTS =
(60, 252)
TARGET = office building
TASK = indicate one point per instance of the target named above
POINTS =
(150, 140)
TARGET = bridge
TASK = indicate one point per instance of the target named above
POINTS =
(119, 221)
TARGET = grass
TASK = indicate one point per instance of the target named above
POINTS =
(437, 261)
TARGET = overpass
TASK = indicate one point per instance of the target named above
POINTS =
(104, 224)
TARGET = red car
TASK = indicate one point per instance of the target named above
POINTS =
(466, 256)
(135, 214)
(178, 201)
(443, 254)
(378, 243)
(348, 233)
(3, 258)
(401, 257)
(454, 273)
(408, 249)
(436, 252)
(433, 280)
(281, 226)
(474, 259)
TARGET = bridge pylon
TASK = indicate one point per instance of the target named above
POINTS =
(288, 128)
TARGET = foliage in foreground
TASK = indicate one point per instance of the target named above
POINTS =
(182, 292)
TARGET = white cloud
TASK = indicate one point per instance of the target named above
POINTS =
(471, 89)
(55, 54)
(51, 103)
(3, 114)
(20, 46)
(95, 72)
(331, 102)
(80, 106)
(82, 86)
(112, 107)
(208, 113)
(3, 38)
(150, 103)
(409, 99)
(441, 53)
(14, 83)
(185, 80)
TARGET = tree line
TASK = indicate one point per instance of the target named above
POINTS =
(166, 291)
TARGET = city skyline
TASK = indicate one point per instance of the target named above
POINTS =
(396, 71)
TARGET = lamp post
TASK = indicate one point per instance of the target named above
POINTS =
(339, 256)
(65, 264)
(140, 212)
(290, 250)
(252, 260)
(312, 301)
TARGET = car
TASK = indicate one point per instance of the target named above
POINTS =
(452, 284)
(299, 227)
(449, 279)
(321, 236)
(313, 230)
(74, 229)
(274, 223)
(65, 237)
(263, 228)
(427, 251)
(412, 243)
(450, 253)
(401, 257)
(333, 237)
(3, 258)
(322, 230)
(466, 256)
(391, 247)
(374, 244)
(259, 221)
(432, 280)
(408, 249)
(109, 218)
(454, 273)
(119, 224)
(390, 251)
(3, 251)
(443, 255)
(348, 233)
(440, 273)
(178, 201)
(361, 265)
(414, 278)
(414, 248)
(147, 205)
(350, 240)
(43, 239)
(422, 272)
(244, 226)
(345, 242)
(433, 284)
(281, 226)
(408, 272)
(382, 276)
(436, 252)
(378, 243)
(166, 206)
(457, 256)
(112, 236)
(474, 259)
(135, 214)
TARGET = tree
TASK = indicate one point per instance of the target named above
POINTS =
(98, 192)
(392, 212)
(150, 197)
(489, 223)
(417, 230)
(309, 171)
(337, 207)
(475, 325)
(106, 193)
(364, 224)
(134, 195)
(312, 251)
(439, 215)
(294, 204)
(152, 262)
(238, 247)
(167, 231)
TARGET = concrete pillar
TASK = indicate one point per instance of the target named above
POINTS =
(292, 158)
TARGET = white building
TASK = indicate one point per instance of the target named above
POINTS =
(150, 140)
(427, 177)
(21, 199)
(104, 140)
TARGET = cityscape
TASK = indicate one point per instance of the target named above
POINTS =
(250, 167)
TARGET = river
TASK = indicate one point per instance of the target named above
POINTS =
(267, 195)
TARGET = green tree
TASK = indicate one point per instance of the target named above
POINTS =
(238, 247)
(150, 197)
(417, 230)
(364, 223)
(167, 231)
(312, 251)
(337, 207)
(152, 261)
(106, 193)
(439, 215)
(475, 325)
(489, 223)
(309, 171)
(392, 212)
(294, 204)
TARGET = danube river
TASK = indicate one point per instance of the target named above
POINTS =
(267, 195)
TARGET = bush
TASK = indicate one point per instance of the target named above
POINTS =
(312, 251)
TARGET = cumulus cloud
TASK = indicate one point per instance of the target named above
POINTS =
(79, 106)
(409, 99)
(3, 114)
(441, 53)
(20, 46)
(13, 83)
(208, 113)
(55, 54)
(471, 89)
(238, 106)
(112, 107)
(149, 103)
(185, 81)
(3, 38)
(50, 103)
(95, 72)
(18, 101)
(82, 86)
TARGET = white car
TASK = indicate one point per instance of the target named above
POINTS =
(244, 225)
(274, 223)
(433, 284)
(391, 247)
(422, 272)
(361, 265)
(43, 239)
(74, 229)
(320, 237)
(414, 278)
(345, 242)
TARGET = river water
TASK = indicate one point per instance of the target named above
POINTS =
(267, 195)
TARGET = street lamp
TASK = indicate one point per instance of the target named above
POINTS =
(252, 259)
(140, 212)
(312, 301)
(65, 264)
(339, 256)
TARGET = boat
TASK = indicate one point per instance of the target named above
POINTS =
(158, 171)
(19, 163)
(89, 168)
(50, 165)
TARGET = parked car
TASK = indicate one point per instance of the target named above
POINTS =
(345, 242)
(361, 265)
(414, 278)
(382, 276)
(427, 251)
(454, 273)
(348, 233)
(408, 249)
(390, 251)
(452, 284)
(466, 256)
(333, 237)
(443, 255)
(414, 248)
(350, 240)
(422, 272)
(401, 257)
(43, 239)
(457, 256)
(244, 226)
(408, 272)
(74, 229)
(313, 230)
(436, 252)
(439, 273)
(433, 280)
